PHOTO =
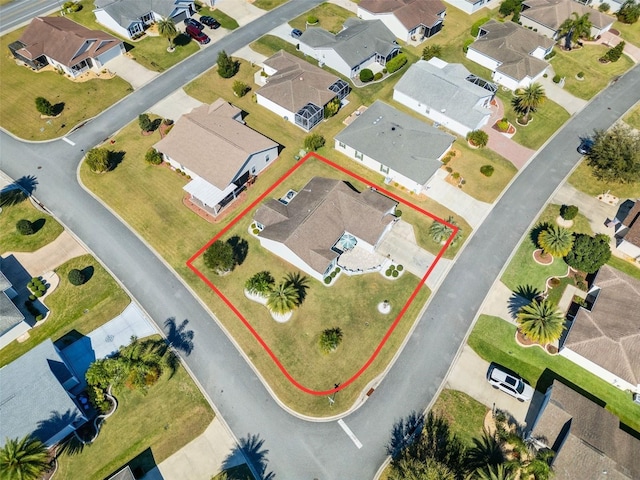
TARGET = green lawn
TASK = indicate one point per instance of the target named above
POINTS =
(21, 86)
(630, 268)
(523, 269)
(47, 227)
(493, 339)
(330, 17)
(74, 309)
(268, 4)
(629, 33)
(225, 20)
(464, 414)
(145, 428)
(547, 120)
(633, 117)
(596, 75)
(149, 51)
(583, 179)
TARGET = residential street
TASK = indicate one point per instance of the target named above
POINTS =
(299, 449)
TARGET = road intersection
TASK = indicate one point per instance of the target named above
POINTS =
(301, 449)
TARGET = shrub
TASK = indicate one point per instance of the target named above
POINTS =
(486, 170)
(38, 293)
(377, 76)
(327, 280)
(550, 55)
(153, 157)
(44, 106)
(568, 212)
(580, 75)
(399, 268)
(465, 45)
(614, 54)
(331, 108)
(455, 175)
(503, 125)
(32, 297)
(557, 78)
(146, 125)
(604, 7)
(255, 231)
(98, 160)
(431, 51)
(629, 12)
(330, 339)
(475, 28)
(76, 277)
(220, 257)
(396, 63)
(24, 227)
(449, 169)
(312, 20)
(39, 317)
(366, 75)
(388, 272)
(313, 142)
(398, 212)
(588, 253)
(240, 89)
(478, 138)
(395, 273)
(227, 66)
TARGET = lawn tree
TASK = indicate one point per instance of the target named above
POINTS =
(25, 227)
(227, 66)
(541, 321)
(283, 299)
(260, 284)
(153, 157)
(146, 125)
(588, 253)
(479, 138)
(23, 459)
(220, 257)
(167, 29)
(528, 100)
(508, 7)
(44, 106)
(76, 277)
(313, 142)
(98, 160)
(569, 212)
(575, 27)
(614, 53)
(615, 155)
(330, 339)
(440, 232)
(431, 51)
(629, 12)
(555, 241)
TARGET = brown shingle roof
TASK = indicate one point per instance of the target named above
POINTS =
(552, 13)
(319, 214)
(512, 45)
(632, 222)
(411, 13)
(64, 41)
(297, 82)
(609, 335)
(595, 441)
(211, 143)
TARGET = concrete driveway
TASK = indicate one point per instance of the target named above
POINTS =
(401, 246)
(284, 32)
(559, 95)
(175, 105)
(131, 71)
(52, 255)
(241, 10)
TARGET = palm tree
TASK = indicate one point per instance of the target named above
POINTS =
(575, 27)
(261, 283)
(539, 467)
(330, 339)
(440, 232)
(23, 459)
(409, 468)
(528, 100)
(168, 30)
(556, 241)
(494, 472)
(486, 451)
(300, 283)
(541, 321)
(283, 298)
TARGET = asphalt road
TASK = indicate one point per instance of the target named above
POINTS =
(19, 12)
(299, 449)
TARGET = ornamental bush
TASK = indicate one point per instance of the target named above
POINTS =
(466, 44)
(366, 75)
(486, 170)
(227, 66)
(98, 160)
(313, 142)
(153, 157)
(503, 125)
(568, 212)
(76, 277)
(25, 227)
(557, 78)
(377, 76)
(396, 63)
(478, 138)
(588, 253)
(240, 89)
(44, 106)
(146, 125)
(312, 20)
(604, 7)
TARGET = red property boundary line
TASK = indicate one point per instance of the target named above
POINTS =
(395, 322)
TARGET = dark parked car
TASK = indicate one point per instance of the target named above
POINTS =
(198, 35)
(210, 22)
(295, 33)
(192, 22)
(585, 146)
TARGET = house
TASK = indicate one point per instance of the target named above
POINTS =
(65, 45)
(587, 439)
(311, 228)
(409, 20)
(628, 233)
(218, 151)
(446, 93)
(514, 54)
(297, 90)
(605, 338)
(12, 324)
(468, 6)
(546, 16)
(402, 148)
(130, 18)
(361, 44)
(35, 397)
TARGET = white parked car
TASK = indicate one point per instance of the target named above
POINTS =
(510, 384)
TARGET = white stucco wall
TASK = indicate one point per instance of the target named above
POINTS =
(275, 108)
(328, 57)
(15, 332)
(467, 7)
(390, 20)
(541, 29)
(282, 251)
(481, 59)
(257, 162)
(105, 19)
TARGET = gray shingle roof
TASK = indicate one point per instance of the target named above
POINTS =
(127, 11)
(393, 138)
(359, 40)
(313, 221)
(10, 316)
(32, 398)
(445, 89)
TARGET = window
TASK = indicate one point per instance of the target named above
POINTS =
(266, 159)
(253, 170)
(384, 169)
(341, 145)
(358, 155)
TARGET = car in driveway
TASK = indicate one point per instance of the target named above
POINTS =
(585, 146)
(210, 22)
(198, 35)
(192, 22)
(509, 383)
(295, 33)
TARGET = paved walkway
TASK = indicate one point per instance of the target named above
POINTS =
(131, 71)
(44, 260)
(175, 105)
(472, 210)
(499, 143)
(559, 95)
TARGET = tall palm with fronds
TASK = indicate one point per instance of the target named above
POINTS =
(486, 451)
(494, 472)
(528, 100)
(300, 283)
(440, 232)
(23, 459)
(167, 29)
(261, 283)
(576, 27)
(538, 467)
(283, 298)
(556, 241)
(541, 321)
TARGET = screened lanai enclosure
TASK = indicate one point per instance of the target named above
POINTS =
(309, 116)
(340, 88)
